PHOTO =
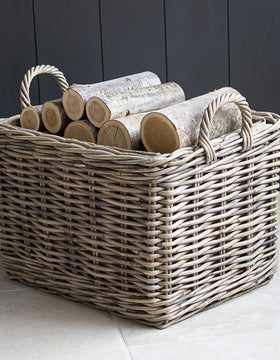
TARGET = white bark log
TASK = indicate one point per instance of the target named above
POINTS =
(178, 125)
(75, 98)
(81, 130)
(30, 118)
(102, 108)
(123, 132)
(53, 116)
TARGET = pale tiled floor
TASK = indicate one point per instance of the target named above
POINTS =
(36, 325)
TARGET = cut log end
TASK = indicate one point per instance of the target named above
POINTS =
(81, 130)
(97, 111)
(53, 117)
(73, 104)
(30, 119)
(158, 134)
(113, 133)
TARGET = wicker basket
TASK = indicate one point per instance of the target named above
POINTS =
(155, 238)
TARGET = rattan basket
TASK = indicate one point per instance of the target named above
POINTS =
(155, 238)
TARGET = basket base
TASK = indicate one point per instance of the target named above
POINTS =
(133, 315)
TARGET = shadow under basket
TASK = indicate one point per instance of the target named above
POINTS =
(151, 237)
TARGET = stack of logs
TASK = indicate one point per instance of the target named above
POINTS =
(133, 112)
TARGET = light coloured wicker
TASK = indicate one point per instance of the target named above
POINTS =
(155, 238)
(32, 73)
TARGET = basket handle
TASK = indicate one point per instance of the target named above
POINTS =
(37, 70)
(246, 133)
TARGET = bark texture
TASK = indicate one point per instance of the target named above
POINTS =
(123, 132)
(100, 109)
(178, 125)
(75, 98)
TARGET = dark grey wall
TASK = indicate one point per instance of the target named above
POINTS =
(201, 44)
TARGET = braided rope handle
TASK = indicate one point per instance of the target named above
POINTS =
(246, 133)
(37, 70)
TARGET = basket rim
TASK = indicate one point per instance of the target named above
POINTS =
(131, 156)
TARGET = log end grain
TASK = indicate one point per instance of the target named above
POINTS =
(73, 104)
(81, 130)
(30, 118)
(97, 111)
(113, 133)
(53, 117)
(158, 133)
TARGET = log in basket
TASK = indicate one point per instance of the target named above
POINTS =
(151, 237)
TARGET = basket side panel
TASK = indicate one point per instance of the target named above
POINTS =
(219, 228)
(78, 227)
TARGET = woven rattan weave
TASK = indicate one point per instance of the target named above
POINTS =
(151, 237)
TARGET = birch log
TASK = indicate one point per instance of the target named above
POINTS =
(123, 132)
(53, 116)
(81, 130)
(30, 118)
(178, 125)
(100, 109)
(76, 96)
